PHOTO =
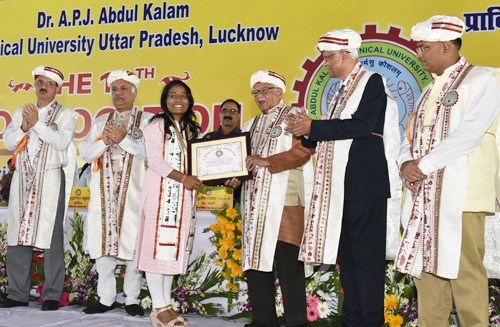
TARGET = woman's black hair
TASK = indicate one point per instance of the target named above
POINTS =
(188, 119)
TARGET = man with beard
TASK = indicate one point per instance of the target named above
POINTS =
(41, 134)
(115, 147)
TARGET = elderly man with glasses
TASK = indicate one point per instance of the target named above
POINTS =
(115, 147)
(356, 182)
(273, 207)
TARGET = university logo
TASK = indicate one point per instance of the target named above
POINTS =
(385, 53)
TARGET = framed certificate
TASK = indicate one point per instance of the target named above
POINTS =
(216, 160)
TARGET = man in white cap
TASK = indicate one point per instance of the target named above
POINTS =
(273, 207)
(449, 160)
(355, 177)
(41, 134)
(115, 147)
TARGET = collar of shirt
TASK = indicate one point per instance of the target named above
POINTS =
(447, 72)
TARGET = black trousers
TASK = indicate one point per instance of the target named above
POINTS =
(362, 261)
(262, 291)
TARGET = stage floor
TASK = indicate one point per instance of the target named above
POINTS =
(73, 316)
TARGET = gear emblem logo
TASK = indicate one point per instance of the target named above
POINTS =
(385, 53)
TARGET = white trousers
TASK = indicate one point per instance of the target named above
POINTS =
(106, 283)
(160, 288)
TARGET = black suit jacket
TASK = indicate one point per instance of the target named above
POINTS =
(367, 175)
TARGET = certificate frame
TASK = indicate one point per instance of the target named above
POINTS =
(215, 160)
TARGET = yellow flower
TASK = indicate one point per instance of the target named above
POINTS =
(219, 263)
(229, 234)
(238, 224)
(236, 272)
(395, 321)
(235, 268)
(232, 264)
(391, 302)
(222, 253)
(230, 226)
(223, 274)
(215, 228)
(232, 287)
(232, 213)
(237, 254)
(221, 219)
(227, 243)
(386, 316)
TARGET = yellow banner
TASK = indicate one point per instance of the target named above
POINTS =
(215, 46)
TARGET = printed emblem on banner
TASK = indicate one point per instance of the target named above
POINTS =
(136, 133)
(450, 98)
(276, 131)
(24, 86)
(219, 153)
(54, 126)
(388, 54)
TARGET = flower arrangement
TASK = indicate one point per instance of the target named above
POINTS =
(400, 302)
(3, 257)
(494, 307)
(227, 239)
(218, 275)
(324, 296)
(81, 279)
(192, 290)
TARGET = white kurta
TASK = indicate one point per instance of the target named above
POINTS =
(322, 235)
(471, 115)
(56, 138)
(91, 150)
(261, 221)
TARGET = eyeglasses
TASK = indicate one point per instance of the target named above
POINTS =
(327, 58)
(50, 84)
(229, 111)
(175, 96)
(263, 90)
(424, 47)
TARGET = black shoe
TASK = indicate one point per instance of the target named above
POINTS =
(9, 303)
(254, 324)
(98, 307)
(50, 305)
(134, 310)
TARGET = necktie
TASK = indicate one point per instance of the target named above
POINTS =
(341, 90)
